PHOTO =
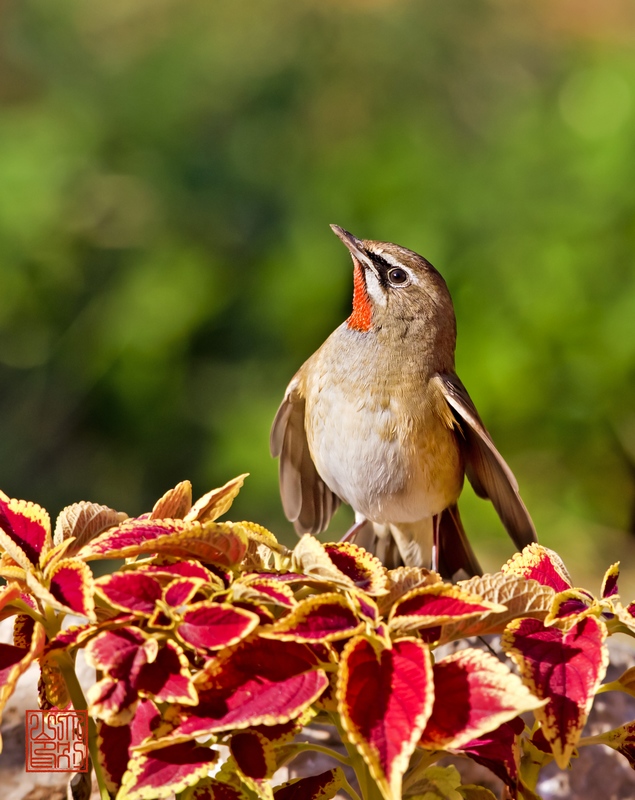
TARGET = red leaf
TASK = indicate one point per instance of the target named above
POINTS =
(315, 787)
(274, 591)
(609, 584)
(474, 694)
(114, 743)
(130, 591)
(254, 754)
(499, 751)
(365, 570)
(14, 662)
(25, 531)
(158, 773)
(435, 605)
(540, 564)
(121, 654)
(321, 618)
(563, 667)
(181, 591)
(183, 569)
(218, 543)
(385, 697)
(257, 682)
(210, 626)
(71, 584)
(167, 678)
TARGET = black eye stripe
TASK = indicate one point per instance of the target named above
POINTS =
(380, 260)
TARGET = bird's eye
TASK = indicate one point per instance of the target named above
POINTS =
(397, 276)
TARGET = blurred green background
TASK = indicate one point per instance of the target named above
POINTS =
(168, 171)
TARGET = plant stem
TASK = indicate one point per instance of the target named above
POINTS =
(79, 703)
(350, 791)
(318, 748)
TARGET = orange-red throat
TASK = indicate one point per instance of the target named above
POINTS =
(360, 319)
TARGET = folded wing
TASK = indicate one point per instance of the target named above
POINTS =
(486, 469)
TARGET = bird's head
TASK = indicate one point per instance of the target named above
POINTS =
(399, 292)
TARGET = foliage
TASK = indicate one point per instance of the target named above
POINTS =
(212, 633)
(168, 171)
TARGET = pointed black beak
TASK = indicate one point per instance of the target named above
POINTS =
(355, 246)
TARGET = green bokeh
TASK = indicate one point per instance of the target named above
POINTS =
(168, 171)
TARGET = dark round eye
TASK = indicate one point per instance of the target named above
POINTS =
(397, 276)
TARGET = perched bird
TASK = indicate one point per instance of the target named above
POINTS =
(378, 419)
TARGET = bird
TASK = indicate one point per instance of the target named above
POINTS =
(378, 419)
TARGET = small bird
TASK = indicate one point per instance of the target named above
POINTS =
(377, 418)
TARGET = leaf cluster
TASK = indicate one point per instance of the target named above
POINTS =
(213, 638)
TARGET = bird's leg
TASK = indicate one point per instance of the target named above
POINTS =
(436, 524)
(353, 530)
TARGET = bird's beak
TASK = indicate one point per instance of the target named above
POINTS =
(355, 247)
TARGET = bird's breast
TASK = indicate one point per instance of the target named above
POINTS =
(378, 442)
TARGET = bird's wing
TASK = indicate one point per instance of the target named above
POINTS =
(486, 469)
(307, 500)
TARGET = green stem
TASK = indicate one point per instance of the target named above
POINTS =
(318, 748)
(79, 703)
(367, 784)
(349, 790)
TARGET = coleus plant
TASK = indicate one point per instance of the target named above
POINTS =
(215, 646)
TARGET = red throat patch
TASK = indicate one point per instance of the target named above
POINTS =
(360, 319)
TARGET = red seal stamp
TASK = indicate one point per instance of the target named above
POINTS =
(57, 741)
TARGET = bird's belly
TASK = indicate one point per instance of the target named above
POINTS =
(389, 465)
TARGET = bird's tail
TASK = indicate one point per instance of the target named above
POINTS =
(410, 545)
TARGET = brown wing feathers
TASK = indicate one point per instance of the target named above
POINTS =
(306, 499)
(486, 469)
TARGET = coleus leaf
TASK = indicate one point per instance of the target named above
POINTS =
(311, 558)
(84, 521)
(214, 789)
(435, 783)
(210, 626)
(609, 582)
(321, 618)
(114, 744)
(385, 697)
(564, 668)
(71, 584)
(175, 503)
(120, 654)
(52, 689)
(9, 593)
(167, 679)
(166, 771)
(213, 542)
(621, 739)
(520, 596)
(474, 694)
(569, 606)
(254, 754)
(181, 591)
(435, 605)
(314, 787)
(257, 682)
(540, 564)
(364, 569)
(25, 531)
(217, 502)
(499, 751)
(136, 592)
(402, 580)
(167, 570)
(14, 662)
(266, 590)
